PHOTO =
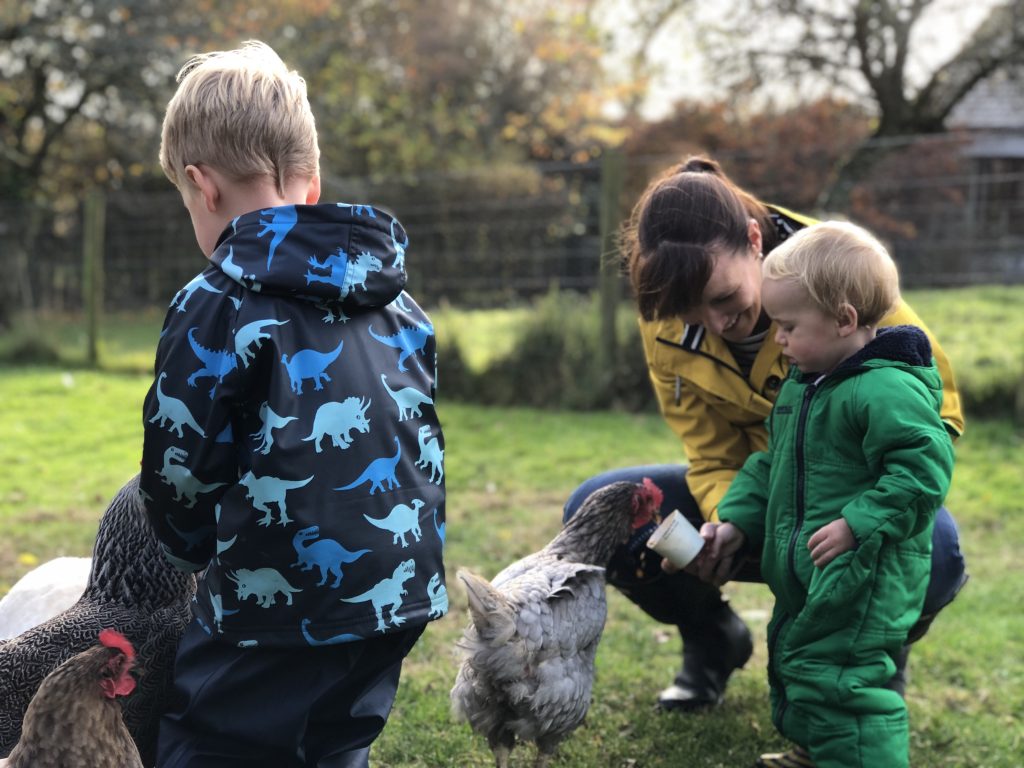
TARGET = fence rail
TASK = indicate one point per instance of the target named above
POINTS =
(501, 235)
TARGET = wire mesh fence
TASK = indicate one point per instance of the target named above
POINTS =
(497, 236)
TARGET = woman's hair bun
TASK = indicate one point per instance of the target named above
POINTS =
(700, 164)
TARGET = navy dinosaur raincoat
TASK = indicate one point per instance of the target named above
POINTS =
(292, 447)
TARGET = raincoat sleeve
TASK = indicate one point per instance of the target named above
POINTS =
(189, 458)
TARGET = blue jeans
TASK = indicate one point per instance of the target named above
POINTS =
(632, 564)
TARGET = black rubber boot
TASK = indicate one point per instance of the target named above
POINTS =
(716, 642)
(898, 682)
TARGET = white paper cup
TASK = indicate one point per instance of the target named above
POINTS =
(676, 539)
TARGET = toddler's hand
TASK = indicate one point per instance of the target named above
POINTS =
(714, 564)
(830, 541)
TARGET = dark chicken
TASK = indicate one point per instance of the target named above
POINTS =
(75, 717)
(133, 587)
(528, 667)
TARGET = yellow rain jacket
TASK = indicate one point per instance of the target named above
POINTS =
(718, 412)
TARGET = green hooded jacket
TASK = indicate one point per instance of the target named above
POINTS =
(866, 443)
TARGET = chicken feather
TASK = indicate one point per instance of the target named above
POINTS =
(528, 656)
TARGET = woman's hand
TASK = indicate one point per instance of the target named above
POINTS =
(830, 541)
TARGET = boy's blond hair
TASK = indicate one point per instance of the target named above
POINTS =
(839, 263)
(244, 113)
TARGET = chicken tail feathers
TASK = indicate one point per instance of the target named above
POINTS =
(491, 614)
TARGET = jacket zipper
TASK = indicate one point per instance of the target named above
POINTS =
(801, 428)
(719, 361)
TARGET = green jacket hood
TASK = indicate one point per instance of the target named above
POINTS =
(903, 346)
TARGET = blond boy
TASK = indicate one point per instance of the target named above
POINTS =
(841, 505)
(275, 461)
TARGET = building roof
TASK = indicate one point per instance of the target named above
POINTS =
(994, 104)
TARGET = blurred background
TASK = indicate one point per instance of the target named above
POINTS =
(512, 139)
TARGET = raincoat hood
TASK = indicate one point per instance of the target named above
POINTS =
(320, 253)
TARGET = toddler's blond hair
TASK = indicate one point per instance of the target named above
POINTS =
(244, 113)
(839, 263)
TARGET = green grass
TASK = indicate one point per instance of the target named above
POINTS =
(981, 328)
(69, 439)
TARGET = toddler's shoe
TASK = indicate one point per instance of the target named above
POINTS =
(797, 757)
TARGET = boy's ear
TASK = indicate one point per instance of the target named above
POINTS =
(846, 319)
(204, 184)
(313, 192)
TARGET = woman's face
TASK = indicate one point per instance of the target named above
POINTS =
(731, 303)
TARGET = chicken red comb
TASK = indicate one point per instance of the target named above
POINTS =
(657, 496)
(111, 638)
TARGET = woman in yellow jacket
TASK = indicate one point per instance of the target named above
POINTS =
(693, 250)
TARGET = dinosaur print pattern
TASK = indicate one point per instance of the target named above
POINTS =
(199, 282)
(378, 472)
(408, 400)
(343, 272)
(265, 436)
(402, 519)
(215, 363)
(400, 246)
(359, 210)
(325, 554)
(332, 312)
(187, 487)
(264, 584)
(338, 420)
(252, 333)
(236, 273)
(439, 527)
(438, 595)
(217, 604)
(388, 594)
(310, 364)
(222, 545)
(173, 410)
(281, 433)
(191, 539)
(282, 220)
(270, 490)
(408, 341)
(335, 640)
(431, 455)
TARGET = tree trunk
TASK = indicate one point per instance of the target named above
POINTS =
(851, 171)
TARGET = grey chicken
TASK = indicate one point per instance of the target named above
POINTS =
(75, 719)
(131, 586)
(528, 666)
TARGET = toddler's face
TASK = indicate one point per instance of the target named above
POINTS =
(808, 337)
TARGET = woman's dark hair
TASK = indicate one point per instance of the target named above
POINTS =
(683, 219)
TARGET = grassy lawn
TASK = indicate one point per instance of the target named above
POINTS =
(69, 438)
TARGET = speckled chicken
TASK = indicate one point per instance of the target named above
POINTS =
(74, 719)
(131, 586)
(528, 666)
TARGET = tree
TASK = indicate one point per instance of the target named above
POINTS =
(870, 50)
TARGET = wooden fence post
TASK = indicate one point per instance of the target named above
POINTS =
(94, 215)
(609, 285)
